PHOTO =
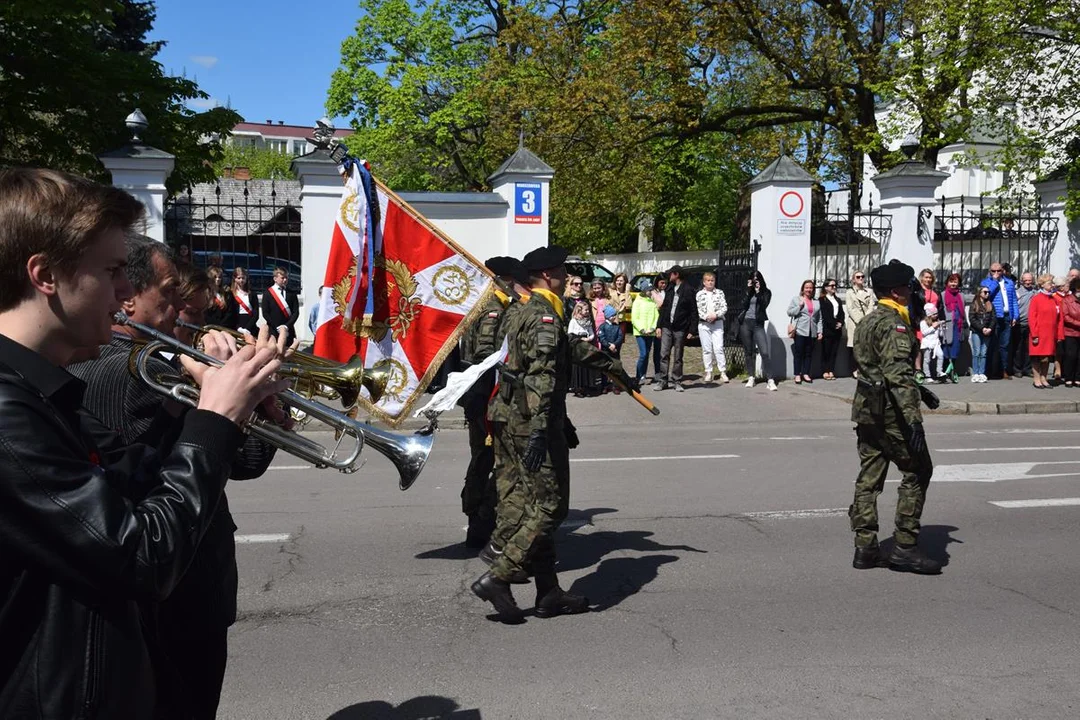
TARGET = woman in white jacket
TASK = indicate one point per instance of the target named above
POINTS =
(711, 307)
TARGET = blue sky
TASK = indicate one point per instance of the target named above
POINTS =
(272, 59)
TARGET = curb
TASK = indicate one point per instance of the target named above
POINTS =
(962, 407)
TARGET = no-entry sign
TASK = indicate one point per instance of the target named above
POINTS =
(792, 220)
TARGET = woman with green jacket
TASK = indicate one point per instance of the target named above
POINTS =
(644, 316)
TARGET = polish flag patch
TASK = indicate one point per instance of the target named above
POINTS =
(547, 319)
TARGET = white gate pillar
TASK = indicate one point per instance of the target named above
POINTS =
(142, 171)
(907, 193)
(320, 197)
(1059, 246)
(780, 221)
(524, 181)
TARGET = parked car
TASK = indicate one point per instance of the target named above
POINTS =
(588, 271)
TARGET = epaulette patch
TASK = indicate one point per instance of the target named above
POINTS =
(547, 319)
(901, 328)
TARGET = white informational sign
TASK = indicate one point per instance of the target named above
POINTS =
(790, 227)
(792, 220)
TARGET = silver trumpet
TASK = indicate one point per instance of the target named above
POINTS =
(408, 453)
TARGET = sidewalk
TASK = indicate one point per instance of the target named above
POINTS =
(996, 397)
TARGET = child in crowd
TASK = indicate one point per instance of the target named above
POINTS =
(581, 324)
(931, 344)
(610, 335)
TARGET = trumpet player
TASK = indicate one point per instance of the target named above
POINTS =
(192, 623)
(90, 528)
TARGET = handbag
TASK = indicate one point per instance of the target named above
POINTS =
(791, 330)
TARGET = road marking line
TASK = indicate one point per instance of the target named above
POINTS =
(290, 467)
(654, 457)
(796, 514)
(1050, 502)
(267, 538)
(996, 472)
(1004, 449)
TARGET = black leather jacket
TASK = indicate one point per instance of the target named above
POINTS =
(86, 530)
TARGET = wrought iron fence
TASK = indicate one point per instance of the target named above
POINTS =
(969, 238)
(253, 224)
(733, 268)
(843, 242)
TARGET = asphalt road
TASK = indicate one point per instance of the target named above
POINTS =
(714, 543)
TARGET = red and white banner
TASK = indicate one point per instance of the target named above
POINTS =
(425, 292)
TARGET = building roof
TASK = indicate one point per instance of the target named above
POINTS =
(522, 162)
(279, 129)
(237, 208)
(782, 170)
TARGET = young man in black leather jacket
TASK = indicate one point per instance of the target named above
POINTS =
(89, 527)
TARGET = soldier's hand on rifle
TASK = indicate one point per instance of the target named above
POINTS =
(917, 441)
(535, 451)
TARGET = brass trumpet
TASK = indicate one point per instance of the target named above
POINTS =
(316, 376)
(408, 453)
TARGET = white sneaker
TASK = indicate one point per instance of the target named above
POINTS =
(724, 378)
(708, 377)
(772, 384)
(974, 378)
(982, 378)
(750, 382)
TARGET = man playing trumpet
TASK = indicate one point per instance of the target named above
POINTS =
(192, 623)
(90, 528)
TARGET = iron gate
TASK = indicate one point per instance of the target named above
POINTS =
(733, 268)
(253, 224)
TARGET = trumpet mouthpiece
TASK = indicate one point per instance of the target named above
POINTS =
(120, 318)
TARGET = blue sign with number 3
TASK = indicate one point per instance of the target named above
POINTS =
(527, 203)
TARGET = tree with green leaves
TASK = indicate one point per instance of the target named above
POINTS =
(72, 70)
(263, 163)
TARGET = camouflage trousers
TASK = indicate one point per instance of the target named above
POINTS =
(478, 494)
(532, 505)
(878, 446)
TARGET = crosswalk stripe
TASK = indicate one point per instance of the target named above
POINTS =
(1048, 502)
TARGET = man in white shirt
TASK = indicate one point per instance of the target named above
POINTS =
(711, 307)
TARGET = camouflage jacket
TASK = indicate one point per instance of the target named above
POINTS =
(479, 340)
(537, 372)
(499, 407)
(885, 348)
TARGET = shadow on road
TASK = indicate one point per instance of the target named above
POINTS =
(618, 578)
(934, 541)
(458, 551)
(424, 707)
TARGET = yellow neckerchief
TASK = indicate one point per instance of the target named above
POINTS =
(555, 300)
(523, 296)
(502, 297)
(889, 302)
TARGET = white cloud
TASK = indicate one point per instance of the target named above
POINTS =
(207, 104)
(206, 61)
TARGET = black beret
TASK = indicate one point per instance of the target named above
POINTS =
(895, 274)
(545, 258)
(508, 267)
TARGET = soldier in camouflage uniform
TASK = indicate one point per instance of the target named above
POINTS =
(538, 439)
(478, 495)
(889, 425)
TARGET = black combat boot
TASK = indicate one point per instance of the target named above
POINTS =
(497, 592)
(866, 558)
(552, 600)
(912, 559)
